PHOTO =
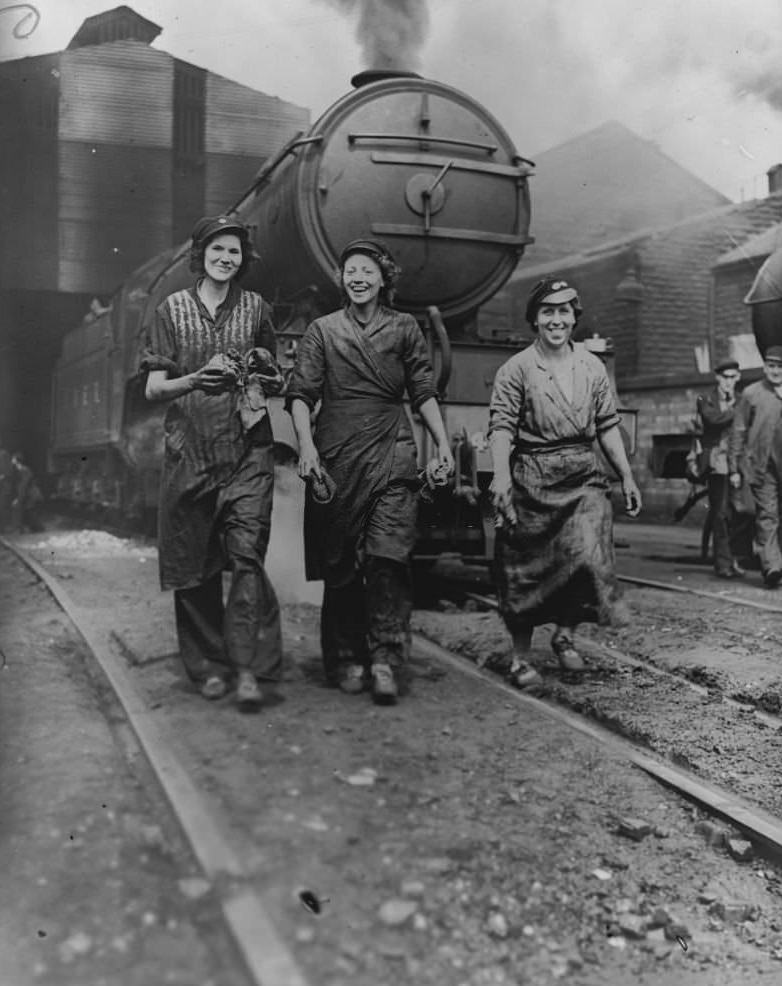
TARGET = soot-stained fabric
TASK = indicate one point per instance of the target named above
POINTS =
(358, 375)
(557, 564)
(211, 466)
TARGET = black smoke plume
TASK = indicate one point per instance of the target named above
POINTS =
(391, 32)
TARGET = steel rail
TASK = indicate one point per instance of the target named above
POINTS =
(266, 958)
(598, 651)
(763, 827)
(704, 593)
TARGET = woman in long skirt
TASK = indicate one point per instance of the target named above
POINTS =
(551, 403)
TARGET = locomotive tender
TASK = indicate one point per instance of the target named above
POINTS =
(405, 159)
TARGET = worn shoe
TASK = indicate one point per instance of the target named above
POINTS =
(248, 693)
(523, 675)
(727, 573)
(384, 687)
(569, 658)
(738, 571)
(351, 680)
(213, 688)
(773, 578)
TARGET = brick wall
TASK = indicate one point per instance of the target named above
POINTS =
(662, 411)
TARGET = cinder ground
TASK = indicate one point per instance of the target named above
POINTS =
(91, 863)
(479, 845)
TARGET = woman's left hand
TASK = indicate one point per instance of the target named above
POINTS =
(445, 458)
(632, 497)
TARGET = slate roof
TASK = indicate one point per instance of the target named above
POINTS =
(605, 184)
(757, 247)
(674, 265)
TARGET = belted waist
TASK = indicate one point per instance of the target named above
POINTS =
(522, 448)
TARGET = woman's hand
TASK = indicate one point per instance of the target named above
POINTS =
(445, 458)
(735, 480)
(212, 380)
(632, 497)
(309, 461)
(501, 490)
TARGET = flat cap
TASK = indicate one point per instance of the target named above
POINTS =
(372, 248)
(725, 365)
(773, 353)
(209, 226)
(550, 291)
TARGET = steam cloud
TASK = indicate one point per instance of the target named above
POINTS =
(391, 32)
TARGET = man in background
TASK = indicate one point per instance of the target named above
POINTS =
(716, 410)
(755, 459)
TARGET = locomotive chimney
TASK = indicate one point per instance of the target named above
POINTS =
(377, 74)
(774, 179)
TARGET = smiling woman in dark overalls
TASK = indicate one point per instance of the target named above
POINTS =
(356, 364)
(202, 351)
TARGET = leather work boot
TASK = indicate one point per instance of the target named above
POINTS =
(523, 675)
(213, 688)
(248, 693)
(351, 680)
(569, 658)
(384, 687)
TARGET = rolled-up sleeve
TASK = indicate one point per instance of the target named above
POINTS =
(606, 414)
(306, 383)
(507, 398)
(419, 379)
(158, 348)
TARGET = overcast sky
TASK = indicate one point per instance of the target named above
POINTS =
(701, 78)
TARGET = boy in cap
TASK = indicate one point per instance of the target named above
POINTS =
(755, 459)
(716, 410)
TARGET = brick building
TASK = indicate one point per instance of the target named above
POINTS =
(113, 148)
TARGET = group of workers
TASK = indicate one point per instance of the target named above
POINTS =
(210, 353)
(742, 445)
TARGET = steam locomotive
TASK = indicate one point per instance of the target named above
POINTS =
(402, 158)
(765, 298)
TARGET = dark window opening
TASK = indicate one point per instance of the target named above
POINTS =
(669, 455)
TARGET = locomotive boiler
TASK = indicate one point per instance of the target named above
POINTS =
(402, 158)
(765, 297)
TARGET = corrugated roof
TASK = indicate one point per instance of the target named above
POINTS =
(119, 23)
(119, 93)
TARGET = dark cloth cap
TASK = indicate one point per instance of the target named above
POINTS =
(372, 248)
(730, 364)
(209, 226)
(773, 352)
(550, 290)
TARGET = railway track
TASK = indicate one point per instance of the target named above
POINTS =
(589, 698)
(268, 958)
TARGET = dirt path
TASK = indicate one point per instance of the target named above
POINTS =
(94, 885)
(453, 839)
